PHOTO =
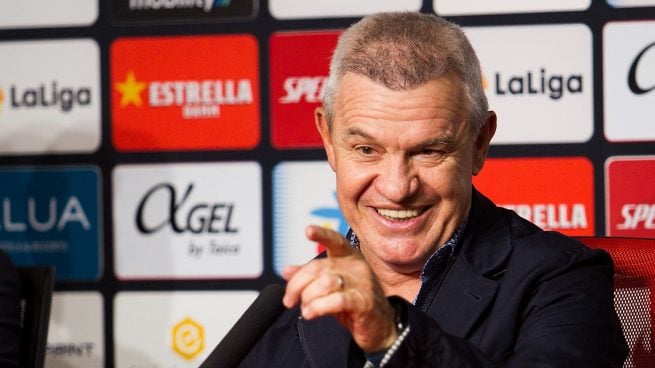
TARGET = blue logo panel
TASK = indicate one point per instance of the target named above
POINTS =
(52, 216)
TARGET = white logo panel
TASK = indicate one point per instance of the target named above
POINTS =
(472, 7)
(293, 9)
(304, 193)
(53, 106)
(629, 81)
(630, 3)
(538, 80)
(76, 333)
(186, 221)
(173, 329)
(48, 13)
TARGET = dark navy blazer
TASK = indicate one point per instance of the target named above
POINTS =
(514, 296)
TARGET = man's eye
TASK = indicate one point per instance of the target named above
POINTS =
(431, 153)
(366, 150)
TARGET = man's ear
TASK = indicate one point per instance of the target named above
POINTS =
(482, 142)
(323, 128)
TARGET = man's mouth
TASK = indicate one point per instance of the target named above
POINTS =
(399, 215)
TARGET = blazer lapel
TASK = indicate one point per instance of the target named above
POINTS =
(470, 285)
(463, 296)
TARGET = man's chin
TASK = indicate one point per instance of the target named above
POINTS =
(398, 253)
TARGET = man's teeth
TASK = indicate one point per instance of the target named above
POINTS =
(399, 214)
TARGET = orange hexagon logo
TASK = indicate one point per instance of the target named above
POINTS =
(188, 338)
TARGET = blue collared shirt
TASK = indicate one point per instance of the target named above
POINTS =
(433, 270)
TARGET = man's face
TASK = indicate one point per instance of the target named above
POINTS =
(403, 162)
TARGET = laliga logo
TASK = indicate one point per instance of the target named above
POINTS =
(542, 83)
(188, 338)
(2, 99)
(52, 95)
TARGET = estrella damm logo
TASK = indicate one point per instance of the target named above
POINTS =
(188, 338)
(185, 93)
(566, 204)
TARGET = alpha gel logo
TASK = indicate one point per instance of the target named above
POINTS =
(565, 203)
(189, 220)
(299, 69)
(51, 216)
(161, 101)
(629, 76)
(630, 197)
(539, 81)
(200, 218)
(40, 107)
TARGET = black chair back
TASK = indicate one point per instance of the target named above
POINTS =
(36, 286)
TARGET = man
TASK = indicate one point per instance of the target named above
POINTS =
(432, 272)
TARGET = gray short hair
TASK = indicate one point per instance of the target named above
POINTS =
(404, 50)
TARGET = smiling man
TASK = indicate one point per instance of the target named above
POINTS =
(432, 273)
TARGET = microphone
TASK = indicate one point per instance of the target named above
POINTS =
(247, 331)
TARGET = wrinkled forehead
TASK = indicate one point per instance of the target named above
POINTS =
(360, 100)
(444, 92)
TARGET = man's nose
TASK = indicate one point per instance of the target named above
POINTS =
(397, 180)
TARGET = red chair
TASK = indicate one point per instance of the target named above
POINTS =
(634, 293)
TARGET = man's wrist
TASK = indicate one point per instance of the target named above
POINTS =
(398, 323)
(381, 357)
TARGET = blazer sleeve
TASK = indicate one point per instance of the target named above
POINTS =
(566, 319)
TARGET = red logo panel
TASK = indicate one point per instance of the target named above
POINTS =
(553, 193)
(299, 65)
(630, 196)
(185, 93)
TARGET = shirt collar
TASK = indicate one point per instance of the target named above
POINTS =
(449, 247)
(447, 250)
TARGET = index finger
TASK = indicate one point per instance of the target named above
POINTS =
(337, 245)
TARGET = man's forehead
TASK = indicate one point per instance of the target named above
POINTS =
(357, 77)
(441, 138)
(361, 98)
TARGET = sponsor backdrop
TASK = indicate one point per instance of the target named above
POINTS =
(161, 154)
